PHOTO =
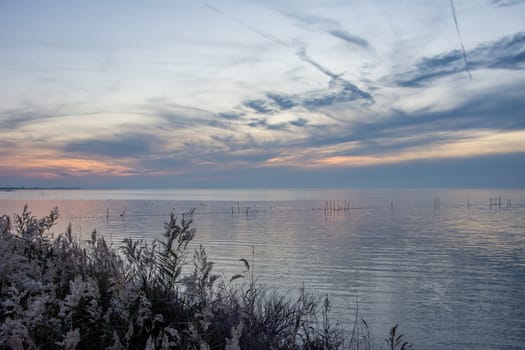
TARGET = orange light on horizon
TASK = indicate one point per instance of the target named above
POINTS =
(50, 168)
(467, 145)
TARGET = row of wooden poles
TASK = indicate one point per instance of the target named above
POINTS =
(496, 202)
(238, 209)
(333, 205)
(337, 206)
(493, 202)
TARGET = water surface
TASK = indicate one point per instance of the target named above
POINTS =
(444, 264)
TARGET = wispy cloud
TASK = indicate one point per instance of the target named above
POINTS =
(259, 106)
(15, 119)
(230, 115)
(449, 145)
(330, 26)
(49, 164)
(506, 3)
(342, 90)
(505, 53)
(339, 91)
(284, 102)
(210, 92)
(301, 53)
(405, 136)
(119, 146)
(349, 38)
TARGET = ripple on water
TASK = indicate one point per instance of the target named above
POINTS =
(452, 278)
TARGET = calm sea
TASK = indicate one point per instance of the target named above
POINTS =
(446, 265)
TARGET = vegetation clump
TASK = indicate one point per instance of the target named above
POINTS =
(59, 293)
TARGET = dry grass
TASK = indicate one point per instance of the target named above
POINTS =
(56, 293)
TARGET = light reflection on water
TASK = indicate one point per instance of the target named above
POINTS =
(452, 277)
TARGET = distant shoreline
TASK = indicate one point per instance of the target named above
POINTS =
(9, 189)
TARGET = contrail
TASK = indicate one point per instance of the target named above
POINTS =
(453, 8)
(301, 53)
(251, 28)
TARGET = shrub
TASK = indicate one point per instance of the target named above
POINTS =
(56, 293)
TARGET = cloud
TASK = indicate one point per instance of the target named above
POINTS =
(230, 115)
(278, 123)
(120, 146)
(469, 172)
(417, 134)
(14, 119)
(455, 145)
(301, 53)
(259, 106)
(349, 38)
(178, 114)
(506, 3)
(505, 53)
(284, 102)
(341, 90)
(330, 26)
(299, 122)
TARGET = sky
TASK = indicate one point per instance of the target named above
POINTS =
(273, 93)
